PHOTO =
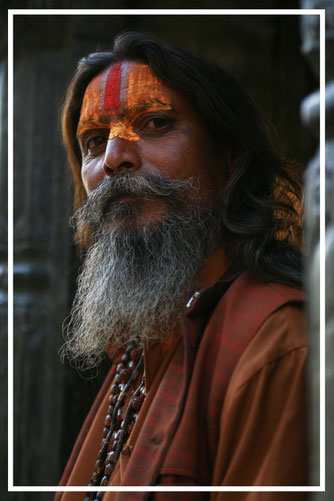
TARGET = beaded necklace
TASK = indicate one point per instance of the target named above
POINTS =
(118, 425)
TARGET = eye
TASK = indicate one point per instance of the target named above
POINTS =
(93, 143)
(156, 123)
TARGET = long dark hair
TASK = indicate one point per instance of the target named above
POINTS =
(262, 199)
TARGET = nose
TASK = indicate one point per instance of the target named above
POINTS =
(120, 154)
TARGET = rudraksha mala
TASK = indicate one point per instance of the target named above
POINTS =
(117, 427)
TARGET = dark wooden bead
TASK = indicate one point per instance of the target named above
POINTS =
(125, 375)
(107, 420)
(110, 409)
(112, 400)
(115, 388)
(110, 457)
(118, 377)
(125, 358)
(99, 466)
(135, 354)
(136, 403)
(105, 432)
(121, 435)
(120, 366)
(108, 469)
(104, 480)
(114, 445)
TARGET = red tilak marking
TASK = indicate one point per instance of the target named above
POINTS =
(113, 88)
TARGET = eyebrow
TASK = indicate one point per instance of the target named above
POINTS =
(143, 106)
(135, 109)
(97, 125)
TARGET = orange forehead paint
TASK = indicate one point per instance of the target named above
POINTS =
(119, 95)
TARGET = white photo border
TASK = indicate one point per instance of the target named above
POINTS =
(138, 12)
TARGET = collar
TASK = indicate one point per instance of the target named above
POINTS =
(203, 301)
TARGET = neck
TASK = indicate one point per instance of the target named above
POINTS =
(214, 268)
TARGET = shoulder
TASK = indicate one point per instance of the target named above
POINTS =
(251, 299)
(265, 407)
(250, 305)
(279, 345)
(247, 288)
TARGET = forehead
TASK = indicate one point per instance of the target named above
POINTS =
(121, 87)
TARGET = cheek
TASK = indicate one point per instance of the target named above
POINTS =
(164, 156)
(92, 175)
(177, 156)
(207, 163)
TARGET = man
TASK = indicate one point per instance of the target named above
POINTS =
(190, 283)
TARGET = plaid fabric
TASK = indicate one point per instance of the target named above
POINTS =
(178, 440)
(180, 434)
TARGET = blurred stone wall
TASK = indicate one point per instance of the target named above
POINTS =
(51, 400)
(311, 116)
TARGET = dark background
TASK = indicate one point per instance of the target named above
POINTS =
(263, 52)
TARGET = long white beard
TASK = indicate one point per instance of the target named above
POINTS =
(137, 278)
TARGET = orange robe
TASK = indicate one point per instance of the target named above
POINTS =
(226, 403)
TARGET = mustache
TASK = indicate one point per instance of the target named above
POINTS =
(98, 204)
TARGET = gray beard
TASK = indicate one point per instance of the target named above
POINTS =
(137, 278)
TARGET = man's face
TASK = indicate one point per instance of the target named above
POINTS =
(153, 178)
(132, 122)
